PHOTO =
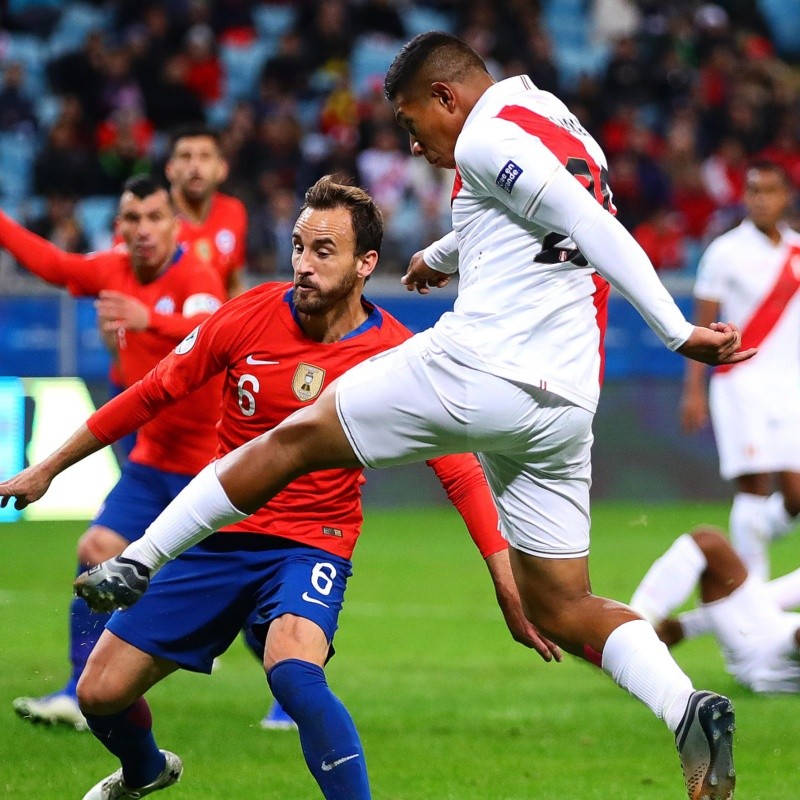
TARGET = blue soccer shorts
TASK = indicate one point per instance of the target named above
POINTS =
(138, 497)
(196, 605)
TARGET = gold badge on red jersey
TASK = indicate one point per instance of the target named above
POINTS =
(202, 248)
(307, 381)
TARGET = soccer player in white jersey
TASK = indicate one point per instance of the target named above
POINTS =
(513, 373)
(751, 275)
(760, 641)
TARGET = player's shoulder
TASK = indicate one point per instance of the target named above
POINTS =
(729, 243)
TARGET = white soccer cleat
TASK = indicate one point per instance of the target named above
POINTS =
(705, 743)
(114, 787)
(59, 708)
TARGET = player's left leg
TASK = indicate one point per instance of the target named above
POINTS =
(295, 653)
(558, 600)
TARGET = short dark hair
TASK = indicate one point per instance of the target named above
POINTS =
(444, 56)
(367, 221)
(766, 165)
(142, 186)
(192, 130)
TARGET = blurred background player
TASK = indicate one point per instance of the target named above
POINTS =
(751, 276)
(760, 641)
(213, 225)
(152, 293)
(283, 571)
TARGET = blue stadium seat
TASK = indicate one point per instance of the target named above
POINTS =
(96, 216)
(371, 57)
(243, 66)
(273, 21)
(573, 62)
(31, 52)
(17, 153)
(419, 20)
(783, 18)
(77, 20)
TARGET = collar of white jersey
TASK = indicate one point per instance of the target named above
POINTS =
(783, 228)
(499, 90)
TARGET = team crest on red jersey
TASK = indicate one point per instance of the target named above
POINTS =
(307, 381)
(202, 248)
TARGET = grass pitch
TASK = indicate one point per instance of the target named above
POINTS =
(448, 706)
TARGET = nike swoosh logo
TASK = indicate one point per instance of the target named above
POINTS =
(329, 767)
(254, 362)
(310, 599)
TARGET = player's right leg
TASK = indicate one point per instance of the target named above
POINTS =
(111, 694)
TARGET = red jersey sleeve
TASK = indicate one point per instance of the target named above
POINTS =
(200, 356)
(82, 275)
(463, 480)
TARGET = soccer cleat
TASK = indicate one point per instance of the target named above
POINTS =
(705, 743)
(58, 708)
(116, 583)
(277, 719)
(114, 787)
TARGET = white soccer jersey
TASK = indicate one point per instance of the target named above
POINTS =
(757, 285)
(530, 308)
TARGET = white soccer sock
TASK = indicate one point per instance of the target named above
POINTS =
(695, 623)
(750, 532)
(670, 580)
(776, 517)
(786, 590)
(639, 662)
(199, 510)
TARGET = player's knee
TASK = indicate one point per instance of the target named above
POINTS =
(98, 545)
(97, 696)
(711, 541)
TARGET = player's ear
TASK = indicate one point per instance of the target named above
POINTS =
(222, 171)
(169, 170)
(367, 263)
(444, 95)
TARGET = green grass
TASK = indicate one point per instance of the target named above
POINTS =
(447, 705)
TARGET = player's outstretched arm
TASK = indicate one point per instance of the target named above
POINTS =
(32, 483)
(715, 345)
(510, 604)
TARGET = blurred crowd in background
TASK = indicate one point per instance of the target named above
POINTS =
(681, 95)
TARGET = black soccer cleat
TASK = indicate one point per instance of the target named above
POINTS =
(116, 583)
(705, 743)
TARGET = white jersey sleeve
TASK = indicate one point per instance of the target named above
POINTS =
(526, 177)
(712, 274)
(442, 255)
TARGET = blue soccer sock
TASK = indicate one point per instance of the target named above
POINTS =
(128, 735)
(328, 735)
(85, 627)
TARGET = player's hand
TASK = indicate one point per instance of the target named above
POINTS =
(420, 277)
(116, 310)
(715, 345)
(510, 604)
(116, 583)
(693, 411)
(26, 487)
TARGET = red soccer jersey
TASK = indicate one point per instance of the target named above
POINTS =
(272, 369)
(220, 239)
(182, 439)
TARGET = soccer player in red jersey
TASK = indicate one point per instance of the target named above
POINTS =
(151, 294)
(213, 224)
(283, 571)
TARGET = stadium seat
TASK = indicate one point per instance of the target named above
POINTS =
(77, 20)
(243, 67)
(273, 21)
(419, 20)
(783, 18)
(17, 153)
(96, 216)
(31, 52)
(371, 57)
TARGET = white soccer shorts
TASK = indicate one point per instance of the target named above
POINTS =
(415, 402)
(757, 638)
(756, 430)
